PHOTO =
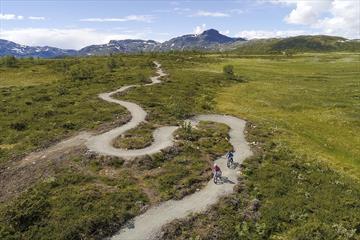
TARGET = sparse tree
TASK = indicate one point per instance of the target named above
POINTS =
(111, 63)
(141, 77)
(228, 70)
(10, 61)
(81, 72)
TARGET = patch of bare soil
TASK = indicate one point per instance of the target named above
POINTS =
(19, 175)
(15, 179)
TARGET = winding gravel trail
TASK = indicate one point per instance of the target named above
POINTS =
(163, 137)
(148, 224)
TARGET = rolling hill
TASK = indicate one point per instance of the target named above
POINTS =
(318, 43)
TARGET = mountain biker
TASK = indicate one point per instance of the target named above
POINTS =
(230, 155)
(216, 170)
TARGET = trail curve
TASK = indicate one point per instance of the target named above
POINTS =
(148, 224)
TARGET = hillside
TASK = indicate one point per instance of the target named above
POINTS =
(318, 43)
(14, 49)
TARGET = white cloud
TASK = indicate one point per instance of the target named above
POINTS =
(307, 12)
(339, 17)
(226, 32)
(237, 11)
(252, 34)
(181, 10)
(74, 38)
(199, 29)
(137, 18)
(10, 17)
(36, 18)
(345, 19)
(211, 14)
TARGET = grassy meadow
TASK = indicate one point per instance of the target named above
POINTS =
(303, 182)
(43, 101)
(311, 101)
(303, 113)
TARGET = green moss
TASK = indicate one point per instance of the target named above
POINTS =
(71, 206)
(136, 138)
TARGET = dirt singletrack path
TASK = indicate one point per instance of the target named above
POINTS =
(148, 224)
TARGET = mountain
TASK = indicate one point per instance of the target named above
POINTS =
(317, 43)
(11, 48)
(208, 40)
(120, 46)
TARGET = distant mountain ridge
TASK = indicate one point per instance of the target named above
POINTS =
(305, 43)
(120, 46)
(209, 40)
(18, 50)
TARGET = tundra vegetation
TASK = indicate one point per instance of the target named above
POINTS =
(303, 113)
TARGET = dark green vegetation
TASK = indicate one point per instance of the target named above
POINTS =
(298, 44)
(72, 203)
(281, 196)
(302, 183)
(97, 201)
(139, 137)
(194, 90)
(189, 167)
(72, 206)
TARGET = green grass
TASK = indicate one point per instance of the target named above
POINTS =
(297, 44)
(303, 181)
(190, 168)
(32, 117)
(94, 206)
(72, 206)
(306, 110)
(136, 138)
(312, 101)
(27, 76)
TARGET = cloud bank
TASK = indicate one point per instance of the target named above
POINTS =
(137, 18)
(10, 17)
(210, 14)
(74, 38)
(337, 17)
(253, 34)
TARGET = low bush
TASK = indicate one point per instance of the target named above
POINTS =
(19, 126)
(9, 61)
(81, 72)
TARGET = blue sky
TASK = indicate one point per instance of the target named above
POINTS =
(75, 24)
